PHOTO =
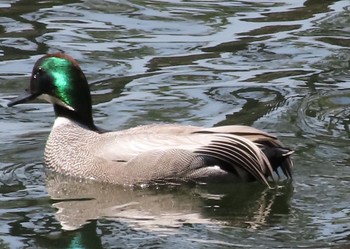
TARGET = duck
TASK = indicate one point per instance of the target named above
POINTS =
(145, 154)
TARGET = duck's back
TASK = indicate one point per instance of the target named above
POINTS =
(162, 153)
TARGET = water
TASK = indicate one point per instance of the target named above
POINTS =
(281, 66)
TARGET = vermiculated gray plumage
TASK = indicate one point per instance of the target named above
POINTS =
(164, 153)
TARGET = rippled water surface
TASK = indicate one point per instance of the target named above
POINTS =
(281, 66)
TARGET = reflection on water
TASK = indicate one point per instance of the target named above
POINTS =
(278, 66)
(166, 209)
(158, 208)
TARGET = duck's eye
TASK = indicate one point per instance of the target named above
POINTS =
(38, 73)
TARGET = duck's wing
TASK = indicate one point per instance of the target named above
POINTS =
(180, 151)
(276, 152)
(125, 146)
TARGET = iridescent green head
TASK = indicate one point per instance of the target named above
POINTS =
(58, 79)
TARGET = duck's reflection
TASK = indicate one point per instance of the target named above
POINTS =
(166, 208)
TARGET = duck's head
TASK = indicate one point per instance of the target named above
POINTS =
(58, 79)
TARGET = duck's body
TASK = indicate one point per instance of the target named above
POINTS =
(144, 154)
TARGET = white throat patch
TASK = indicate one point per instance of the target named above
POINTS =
(54, 100)
(61, 121)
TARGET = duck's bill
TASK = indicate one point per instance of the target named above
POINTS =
(27, 96)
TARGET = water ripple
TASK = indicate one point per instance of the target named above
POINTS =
(325, 116)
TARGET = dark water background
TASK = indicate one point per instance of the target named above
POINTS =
(281, 66)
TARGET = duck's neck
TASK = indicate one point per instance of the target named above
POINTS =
(83, 118)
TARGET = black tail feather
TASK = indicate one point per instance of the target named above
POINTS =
(279, 157)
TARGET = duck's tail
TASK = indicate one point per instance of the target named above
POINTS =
(248, 153)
